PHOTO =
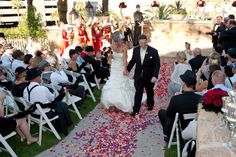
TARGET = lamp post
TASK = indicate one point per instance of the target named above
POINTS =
(234, 4)
(122, 5)
(155, 4)
(90, 10)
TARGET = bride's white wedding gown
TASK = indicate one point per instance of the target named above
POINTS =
(119, 89)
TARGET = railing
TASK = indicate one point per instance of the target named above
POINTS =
(19, 41)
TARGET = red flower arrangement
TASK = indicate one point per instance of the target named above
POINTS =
(201, 3)
(212, 100)
(234, 4)
(155, 4)
(122, 5)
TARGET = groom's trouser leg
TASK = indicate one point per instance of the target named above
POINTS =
(150, 93)
(138, 95)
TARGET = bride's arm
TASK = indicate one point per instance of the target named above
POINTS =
(125, 56)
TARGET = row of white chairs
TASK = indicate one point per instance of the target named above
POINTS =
(176, 128)
(11, 105)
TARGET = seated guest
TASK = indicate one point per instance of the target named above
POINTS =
(187, 102)
(73, 62)
(230, 77)
(47, 70)
(16, 123)
(203, 84)
(232, 58)
(4, 82)
(100, 72)
(35, 92)
(37, 59)
(18, 60)
(19, 85)
(218, 80)
(28, 60)
(58, 77)
(213, 59)
(180, 68)
(198, 59)
(78, 49)
(6, 58)
(1, 51)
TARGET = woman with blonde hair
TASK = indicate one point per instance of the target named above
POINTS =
(176, 83)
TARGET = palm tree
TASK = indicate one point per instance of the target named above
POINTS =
(29, 3)
(105, 4)
(62, 10)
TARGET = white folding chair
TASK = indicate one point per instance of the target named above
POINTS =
(64, 63)
(97, 81)
(9, 103)
(68, 99)
(175, 128)
(71, 100)
(42, 120)
(6, 145)
(85, 84)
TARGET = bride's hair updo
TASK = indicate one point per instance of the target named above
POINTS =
(117, 36)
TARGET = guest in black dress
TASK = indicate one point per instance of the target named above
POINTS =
(19, 85)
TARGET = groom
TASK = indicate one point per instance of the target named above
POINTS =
(146, 72)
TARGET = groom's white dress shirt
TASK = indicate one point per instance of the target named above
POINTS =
(142, 54)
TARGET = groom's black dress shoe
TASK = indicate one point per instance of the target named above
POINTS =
(133, 114)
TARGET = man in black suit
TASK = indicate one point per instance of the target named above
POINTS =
(228, 37)
(198, 59)
(218, 27)
(146, 73)
(187, 102)
(100, 72)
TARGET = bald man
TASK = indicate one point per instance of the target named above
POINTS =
(218, 80)
(198, 59)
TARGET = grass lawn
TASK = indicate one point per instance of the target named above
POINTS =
(48, 139)
(172, 152)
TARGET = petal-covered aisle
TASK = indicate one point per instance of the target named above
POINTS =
(112, 134)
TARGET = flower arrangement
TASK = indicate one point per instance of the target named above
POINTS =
(201, 3)
(212, 100)
(122, 5)
(177, 7)
(155, 4)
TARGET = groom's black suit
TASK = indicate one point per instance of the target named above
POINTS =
(143, 75)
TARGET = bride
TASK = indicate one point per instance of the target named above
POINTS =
(118, 90)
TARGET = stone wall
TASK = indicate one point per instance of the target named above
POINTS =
(169, 36)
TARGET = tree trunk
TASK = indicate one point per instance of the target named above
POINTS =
(29, 3)
(62, 10)
(105, 8)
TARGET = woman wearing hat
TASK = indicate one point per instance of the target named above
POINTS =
(118, 83)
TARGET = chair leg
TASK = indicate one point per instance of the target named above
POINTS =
(76, 109)
(7, 146)
(40, 131)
